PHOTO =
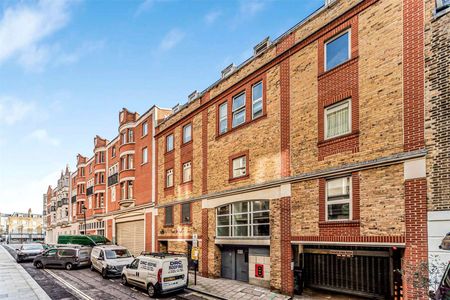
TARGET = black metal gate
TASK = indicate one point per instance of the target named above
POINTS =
(358, 272)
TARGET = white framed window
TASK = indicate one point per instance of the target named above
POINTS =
(242, 219)
(130, 189)
(122, 190)
(123, 163)
(339, 199)
(187, 172)
(130, 161)
(144, 155)
(169, 143)
(239, 166)
(257, 100)
(238, 109)
(187, 133)
(113, 151)
(130, 136)
(338, 119)
(169, 178)
(223, 118)
(144, 128)
(123, 138)
(337, 50)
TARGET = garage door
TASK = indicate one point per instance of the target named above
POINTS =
(131, 235)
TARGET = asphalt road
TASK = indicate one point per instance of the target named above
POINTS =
(85, 284)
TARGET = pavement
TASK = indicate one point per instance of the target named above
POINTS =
(15, 282)
(232, 290)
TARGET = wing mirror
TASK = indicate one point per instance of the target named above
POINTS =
(101, 258)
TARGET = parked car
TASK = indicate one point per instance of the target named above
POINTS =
(109, 260)
(84, 240)
(64, 257)
(158, 273)
(443, 291)
(28, 252)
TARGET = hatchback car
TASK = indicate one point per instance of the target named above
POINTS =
(28, 252)
(64, 257)
(109, 260)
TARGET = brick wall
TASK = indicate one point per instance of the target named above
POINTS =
(437, 105)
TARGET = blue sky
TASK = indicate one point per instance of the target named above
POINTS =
(68, 67)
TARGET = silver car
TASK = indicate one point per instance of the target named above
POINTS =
(28, 252)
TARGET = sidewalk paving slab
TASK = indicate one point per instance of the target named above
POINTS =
(15, 282)
(232, 289)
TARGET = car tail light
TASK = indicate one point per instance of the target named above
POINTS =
(160, 275)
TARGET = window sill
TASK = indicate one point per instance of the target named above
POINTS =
(338, 223)
(233, 129)
(239, 178)
(338, 67)
(187, 224)
(169, 152)
(186, 144)
(144, 163)
(338, 139)
(144, 136)
(168, 226)
(168, 188)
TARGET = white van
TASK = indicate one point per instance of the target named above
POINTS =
(109, 260)
(158, 273)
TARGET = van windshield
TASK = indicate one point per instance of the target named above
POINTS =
(32, 247)
(117, 253)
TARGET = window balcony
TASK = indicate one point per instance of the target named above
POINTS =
(113, 179)
(89, 191)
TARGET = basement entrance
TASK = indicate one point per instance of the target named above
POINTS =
(362, 271)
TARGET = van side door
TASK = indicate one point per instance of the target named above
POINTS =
(50, 258)
(132, 271)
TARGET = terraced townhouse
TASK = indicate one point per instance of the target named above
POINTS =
(325, 152)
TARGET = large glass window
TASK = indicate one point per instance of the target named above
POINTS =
(238, 110)
(243, 219)
(257, 100)
(223, 118)
(338, 199)
(337, 50)
(338, 119)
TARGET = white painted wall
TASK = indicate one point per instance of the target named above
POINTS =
(438, 227)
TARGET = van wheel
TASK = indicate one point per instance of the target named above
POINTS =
(69, 266)
(104, 273)
(39, 265)
(124, 280)
(151, 290)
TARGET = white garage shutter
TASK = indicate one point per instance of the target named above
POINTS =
(131, 236)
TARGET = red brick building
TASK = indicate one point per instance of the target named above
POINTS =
(308, 156)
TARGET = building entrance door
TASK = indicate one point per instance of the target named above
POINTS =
(242, 264)
(228, 259)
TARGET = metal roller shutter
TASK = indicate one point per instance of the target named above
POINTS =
(131, 235)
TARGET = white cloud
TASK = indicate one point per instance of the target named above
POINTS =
(42, 136)
(251, 7)
(171, 39)
(212, 16)
(86, 48)
(146, 5)
(13, 110)
(24, 28)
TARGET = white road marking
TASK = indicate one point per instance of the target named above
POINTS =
(80, 293)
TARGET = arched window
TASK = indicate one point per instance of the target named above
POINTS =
(243, 219)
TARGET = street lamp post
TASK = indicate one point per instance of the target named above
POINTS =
(83, 209)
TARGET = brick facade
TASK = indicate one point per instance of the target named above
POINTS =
(288, 158)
